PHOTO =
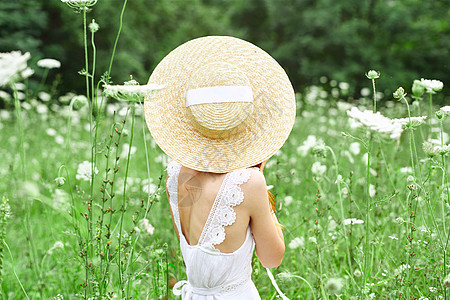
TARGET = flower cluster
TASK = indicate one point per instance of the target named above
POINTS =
(376, 122)
(131, 91)
(84, 171)
(49, 63)
(432, 86)
(13, 67)
(410, 122)
(433, 149)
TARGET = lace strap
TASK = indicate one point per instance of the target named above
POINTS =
(222, 213)
(173, 171)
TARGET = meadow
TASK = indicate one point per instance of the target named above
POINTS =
(361, 186)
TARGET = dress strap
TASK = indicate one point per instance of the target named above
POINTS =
(222, 212)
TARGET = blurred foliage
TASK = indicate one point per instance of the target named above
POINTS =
(403, 39)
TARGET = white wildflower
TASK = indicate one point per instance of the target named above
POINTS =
(288, 200)
(308, 144)
(49, 63)
(50, 131)
(59, 139)
(414, 122)
(297, 242)
(352, 221)
(433, 289)
(131, 91)
(84, 171)
(357, 273)
(406, 170)
(147, 226)
(42, 109)
(376, 122)
(269, 187)
(318, 169)
(355, 148)
(372, 190)
(4, 95)
(44, 96)
(312, 239)
(344, 85)
(393, 237)
(80, 4)
(56, 245)
(149, 188)
(26, 73)
(12, 65)
(334, 285)
(399, 220)
(432, 86)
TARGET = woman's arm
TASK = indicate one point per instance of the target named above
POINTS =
(170, 208)
(268, 237)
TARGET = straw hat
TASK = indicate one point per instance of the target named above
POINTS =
(226, 105)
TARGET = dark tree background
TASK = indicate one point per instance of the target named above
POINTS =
(403, 39)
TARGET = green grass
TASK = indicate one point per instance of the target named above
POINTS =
(396, 238)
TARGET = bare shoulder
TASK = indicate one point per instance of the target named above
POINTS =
(255, 189)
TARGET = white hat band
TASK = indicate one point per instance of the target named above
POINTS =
(218, 94)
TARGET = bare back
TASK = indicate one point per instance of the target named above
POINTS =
(196, 194)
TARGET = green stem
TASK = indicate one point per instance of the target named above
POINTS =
(14, 269)
(117, 37)
(19, 123)
(133, 106)
(430, 113)
(367, 250)
(374, 96)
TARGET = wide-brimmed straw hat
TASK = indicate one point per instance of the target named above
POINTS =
(226, 105)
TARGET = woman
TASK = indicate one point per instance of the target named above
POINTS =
(227, 106)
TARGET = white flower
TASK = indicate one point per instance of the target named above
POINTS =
(50, 131)
(269, 187)
(308, 144)
(288, 200)
(130, 92)
(297, 242)
(49, 63)
(355, 148)
(415, 121)
(12, 65)
(312, 239)
(372, 190)
(432, 86)
(125, 148)
(445, 109)
(406, 170)
(334, 285)
(352, 221)
(60, 140)
(376, 122)
(318, 169)
(149, 188)
(56, 245)
(79, 4)
(44, 96)
(147, 226)
(393, 237)
(84, 171)
(344, 85)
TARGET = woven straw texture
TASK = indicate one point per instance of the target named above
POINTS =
(220, 137)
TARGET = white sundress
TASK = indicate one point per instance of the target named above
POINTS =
(211, 274)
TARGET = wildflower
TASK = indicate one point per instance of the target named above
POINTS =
(147, 226)
(308, 144)
(150, 188)
(376, 122)
(49, 63)
(60, 181)
(334, 285)
(355, 148)
(318, 169)
(297, 242)
(418, 89)
(410, 122)
(44, 96)
(352, 221)
(131, 91)
(56, 245)
(399, 93)
(432, 86)
(357, 273)
(59, 139)
(372, 74)
(13, 66)
(399, 220)
(50, 131)
(5, 210)
(79, 101)
(393, 237)
(288, 200)
(344, 85)
(94, 27)
(372, 190)
(406, 170)
(84, 171)
(312, 239)
(80, 4)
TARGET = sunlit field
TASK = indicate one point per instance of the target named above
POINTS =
(361, 187)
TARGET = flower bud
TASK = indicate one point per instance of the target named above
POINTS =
(372, 74)
(399, 93)
(440, 114)
(93, 27)
(417, 89)
(60, 181)
(79, 101)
